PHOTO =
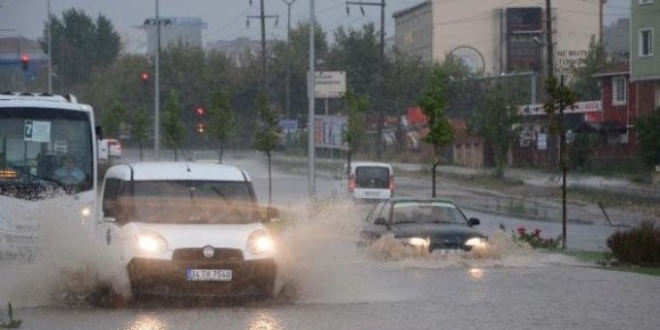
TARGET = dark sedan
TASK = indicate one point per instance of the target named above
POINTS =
(434, 224)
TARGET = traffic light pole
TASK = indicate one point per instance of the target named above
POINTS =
(157, 89)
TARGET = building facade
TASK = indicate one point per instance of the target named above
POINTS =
(645, 51)
(173, 30)
(498, 36)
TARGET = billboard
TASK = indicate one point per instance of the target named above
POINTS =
(329, 132)
(329, 84)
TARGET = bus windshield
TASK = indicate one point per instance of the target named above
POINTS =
(43, 150)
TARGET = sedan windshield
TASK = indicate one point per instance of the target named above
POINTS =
(426, 212)
(184, 202)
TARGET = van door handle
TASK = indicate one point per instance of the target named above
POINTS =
(108, 237)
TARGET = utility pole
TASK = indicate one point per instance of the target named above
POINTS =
(262, 17)
(600, 19)
(381, 77)
(50, 53)
(288, 55)
(311, 179)
(157, 88)
(548, 39)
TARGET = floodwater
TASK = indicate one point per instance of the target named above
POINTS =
(328, 283)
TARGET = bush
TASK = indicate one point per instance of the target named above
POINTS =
(534, 239)
(637, 246)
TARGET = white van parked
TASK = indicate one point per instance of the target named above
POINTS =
(370, 181)
(188, 229)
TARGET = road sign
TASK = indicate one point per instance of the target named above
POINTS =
(329, 84)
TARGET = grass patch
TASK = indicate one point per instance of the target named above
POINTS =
(604, 260)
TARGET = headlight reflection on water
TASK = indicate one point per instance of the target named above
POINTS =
(147, 322)
(264, 321)
(476, 273)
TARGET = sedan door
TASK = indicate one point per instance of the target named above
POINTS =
(373, 229)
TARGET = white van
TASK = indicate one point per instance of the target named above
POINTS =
(188, 229)
(370, 181)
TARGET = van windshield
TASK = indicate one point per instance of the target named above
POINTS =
(372, 177)
(184, 202)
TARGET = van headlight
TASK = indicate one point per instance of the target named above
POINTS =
(476, 242)
(260, 242)
(151, 242)
(86, 214)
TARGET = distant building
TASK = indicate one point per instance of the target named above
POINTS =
(237, 50)
(497, 36)
(174, 30)
(616, 39)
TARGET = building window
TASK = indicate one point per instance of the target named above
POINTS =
(619, 91)
(645, 2)
(645, 42)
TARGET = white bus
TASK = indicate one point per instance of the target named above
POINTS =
(47, 157)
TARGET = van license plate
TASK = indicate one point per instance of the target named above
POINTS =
(372, 194)
(209, 275)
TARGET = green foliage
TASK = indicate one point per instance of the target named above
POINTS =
(581, 149)
(494, 121)
(111, 120)
(79, 45)
(358, 51)
(560, 98)
(534, 239)
(356, 107)
(140, 128)
(648, 135)
(637, 246)
(584, 83)
(267, 137)
(433, 102)
(174, 129)
(221, 120)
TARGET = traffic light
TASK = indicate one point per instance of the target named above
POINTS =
(25, 61)
(200, 111)
(145, 77)
(200, 128)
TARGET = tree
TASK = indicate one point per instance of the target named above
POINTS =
(648, 135)
(111, 120)
(584, 83)
(356, 106)
(174, 129)
(140, 127)
(494, 119)
(433, 102)
(220, 120)
(267, 138)
(560, 97)
(79, 45)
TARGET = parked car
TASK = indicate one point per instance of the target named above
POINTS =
(114, 148)
(188, 229)
(427, 223)
(371, 181)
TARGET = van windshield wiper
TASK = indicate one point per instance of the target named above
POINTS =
(201, 215)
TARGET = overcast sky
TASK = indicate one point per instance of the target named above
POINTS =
(226, 19)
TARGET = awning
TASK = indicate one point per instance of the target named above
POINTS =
(602, 127)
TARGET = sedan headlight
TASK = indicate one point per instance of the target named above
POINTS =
(151, 242)
(418, 242)
(476, 242)
(260, 242)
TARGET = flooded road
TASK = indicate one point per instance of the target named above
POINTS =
(339, 286)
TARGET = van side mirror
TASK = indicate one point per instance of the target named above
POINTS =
(473, 222)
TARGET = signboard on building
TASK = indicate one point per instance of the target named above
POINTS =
(329, 84)
(580, 107)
